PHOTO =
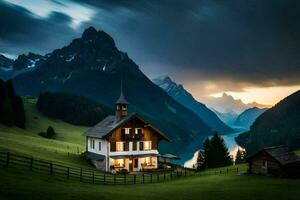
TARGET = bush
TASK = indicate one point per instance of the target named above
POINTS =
(50, 133)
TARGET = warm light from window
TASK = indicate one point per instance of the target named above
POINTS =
(119, 146)
(119, 162)
(147, 145)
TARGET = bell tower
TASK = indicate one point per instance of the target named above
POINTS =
(121, 105)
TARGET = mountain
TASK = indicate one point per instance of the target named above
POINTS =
(93, 67)
(178, 93)
(5, 62)
(279, 125)
(246, 118)
(10, 68)
(228, 118)
(28, 61)
(227, 104)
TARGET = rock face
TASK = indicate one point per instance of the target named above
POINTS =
(246, 118)
(178, 93)
(93, 67)
(5, 62)
(279, 125)
(30, 60)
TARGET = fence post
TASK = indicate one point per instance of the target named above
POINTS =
(115, 179)
(7, 158)
(51, 168)
(124, 179)
(143, 178)
(151, 177)
(80, 174)
(184, 171)
(164, 176)
(93, 177)
(237, 170)
(171, 175)
(177, 173)
(104, 179)
(30, 165)
(134, 178)
(227, 170)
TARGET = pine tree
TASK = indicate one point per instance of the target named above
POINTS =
(216, 152)
(50, 132)
(206, 147)
(200, 165)
(240, 156)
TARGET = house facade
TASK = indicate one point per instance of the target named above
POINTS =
(123, 141)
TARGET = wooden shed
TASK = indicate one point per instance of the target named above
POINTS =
(276, 161)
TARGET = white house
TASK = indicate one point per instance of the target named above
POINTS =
(123, 141)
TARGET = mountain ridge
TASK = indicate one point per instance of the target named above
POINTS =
(178, 93)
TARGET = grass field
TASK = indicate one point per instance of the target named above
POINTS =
(23, 185)
(28, 142)
(298, 153)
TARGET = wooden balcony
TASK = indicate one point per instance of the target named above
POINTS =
(132, 136)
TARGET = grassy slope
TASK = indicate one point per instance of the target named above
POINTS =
(28, 142)
(298, 153)
(22, 185)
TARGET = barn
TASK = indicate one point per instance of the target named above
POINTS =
(276, 161)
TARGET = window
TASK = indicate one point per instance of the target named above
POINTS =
(265, 164)
(127, 130)
(138, 131)
(119, 163)
(147, 161)
(124, 107)
(99, 146)
(147, 145)
(119, 146)
(92, 144)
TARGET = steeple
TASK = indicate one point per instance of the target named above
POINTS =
(121, 105)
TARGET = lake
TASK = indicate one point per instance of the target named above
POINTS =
(230, 143)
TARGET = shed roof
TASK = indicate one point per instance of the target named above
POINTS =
(112, 122)
(280, 153)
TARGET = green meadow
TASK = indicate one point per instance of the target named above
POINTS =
(69, 144)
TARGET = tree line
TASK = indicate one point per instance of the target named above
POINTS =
(71, 108)
(12, 111)
(216, 154)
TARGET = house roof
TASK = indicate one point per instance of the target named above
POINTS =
(112, 122)
(169, 156)
(280, 153)
(94, 156)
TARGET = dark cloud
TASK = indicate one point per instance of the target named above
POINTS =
(22, 32)
(252, 42)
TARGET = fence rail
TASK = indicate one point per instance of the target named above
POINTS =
(8, 159)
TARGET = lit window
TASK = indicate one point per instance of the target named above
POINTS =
(119, 162)
(147, 145)
(138, 131)
(119, 146)
(99, 146)
(124, 107)
(127, 130)
(148, 161)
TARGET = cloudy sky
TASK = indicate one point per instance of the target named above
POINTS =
(248, 48)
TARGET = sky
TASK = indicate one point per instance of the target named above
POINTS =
(249, 49)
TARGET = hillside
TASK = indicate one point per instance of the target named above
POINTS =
(276, 126)
(68, 138)
(177, 92)
(246, 118)
(24, 185)
(93, 67)
(72, 109)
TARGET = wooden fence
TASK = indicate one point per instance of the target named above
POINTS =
(8, 159)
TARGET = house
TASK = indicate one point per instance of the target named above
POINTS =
(276, 161)
(123, 142)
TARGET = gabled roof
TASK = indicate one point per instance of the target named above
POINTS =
(169, 156)
(112, 122)
(280, 153)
